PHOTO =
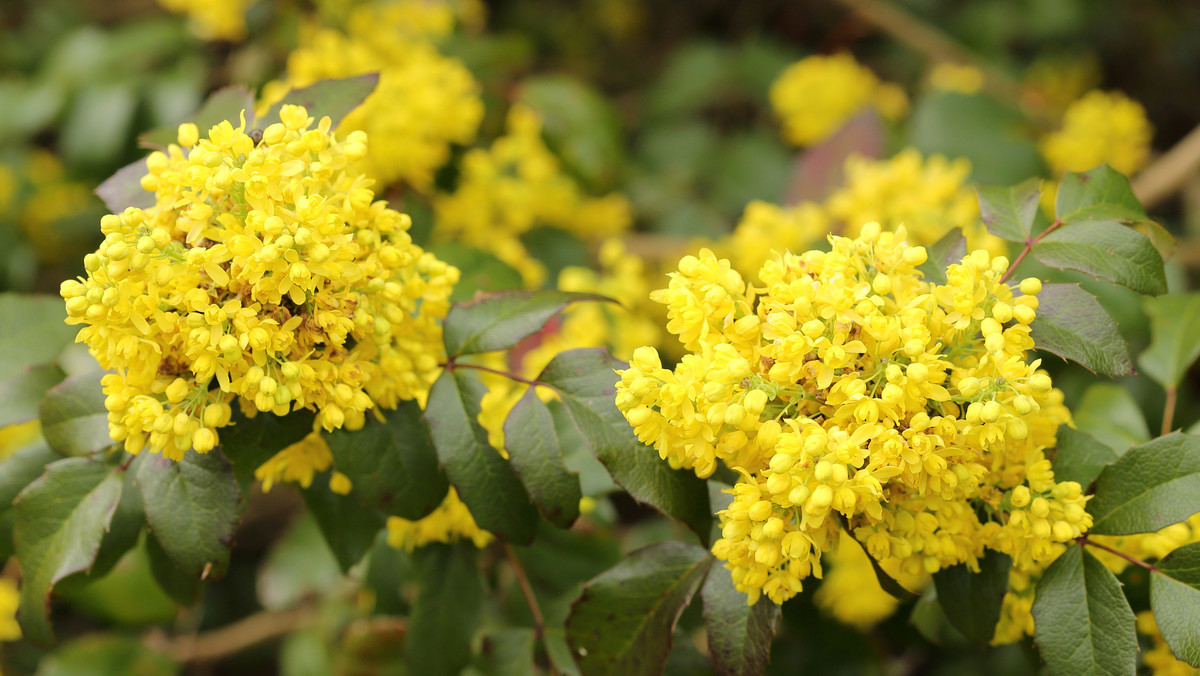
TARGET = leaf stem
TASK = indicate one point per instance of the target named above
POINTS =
(1085, 540)
(1029, 244)
(534, 609)
(1169, 409)
(451, 365)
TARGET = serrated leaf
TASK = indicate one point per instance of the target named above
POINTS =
(1175, 337)
(1009, 212)
(448, 608)
(1080, 457)
(950, 249)
(497, 321)
(348, 525)
(1105, 250)
(74, 420)
(1175, 599)
(972, 601)
(739, 634)
(21, 395)
(1112, 415)
(226, 103)
(193, 507)
(1071, 324)
(535, 452)
(625, 619)
(335, 98)
(106, 654)
(393, 464)
(1149, 487)
(1082, 622)
(1100, 194)
(59, 522)
(33, 331)
(124, 188)
(249, 442)
(485, 481)
(585, 381)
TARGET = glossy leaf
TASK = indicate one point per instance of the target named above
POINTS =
(348, 525)
(333, 98)
(1100, 194)
(585, 381)
(1082, 622)
(1106, 250)
(226, 103)
(448, 608)
(393, 464)
(21, 395)
(535, 452)
(74, 420)
(1080, 457)
(1175, 332)
(193, 507)
(1071, 324)
(1112, 416)
(60, 520)
(1149, 487)
(739, 634)
(1009, 212)
(950, 249)
(625, 619)
(1175, 599)
(497, 321)
(32, 331)
(580, 123)
(972, 601)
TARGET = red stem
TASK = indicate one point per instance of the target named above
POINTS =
(1028, 245)
(1084, 540)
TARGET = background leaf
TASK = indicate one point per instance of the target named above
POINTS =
(739, 634)
(950, 249)
(74, 420)
(21, 395)
(972, 601)
(1175, 333)
(227, 103)
(1009, 212)
(103, 655)
(1175, 598)
(535, 452)
(1106, 250)
(124, 188)
(1080, 457)
(33, 331)
(299, 565)
(1071, 324)
(1149, 487)
(1114, 418)
(448, 607)
(497, 321)
(335, 98)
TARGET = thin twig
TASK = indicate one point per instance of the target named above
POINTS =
(1169, 409)
(1170, 171)
(1028, 246)
(534, 609)
(451, 365)
(1084, 540)
(239, 636)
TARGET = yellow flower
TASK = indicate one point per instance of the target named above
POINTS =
(1159, 659)
(296, 463)
(9, 599)
(953, 77)
(448, 523)
(850, 590)
(816, 95)
(766, 228)
(213, 19)
(1100, 128)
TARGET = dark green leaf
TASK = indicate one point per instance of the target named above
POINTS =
(509, 652)
(1071, 324)
(104, 655)
(299, 565)
(447, 610)
(497, 321)
(32, 331)
(335, 98)
(739, 634)
(250, 442)
(624, 621)
(1112, 416)
(1175, 331)
(182, 587)
(60, 520)
(226, 103)
(124, 189)
(948, 250)
(348, 525)
(1082, 622)
(393, 465)
(1106, 250)
(1175, 598)
(1009, 212)
(1100, 194)
(485, 481)
(584, 379)
(535, 452)
(1149, 487)
(97, 123)
(1080, 457)
(21, 395)
(21, 468)
(193, 507)
(972, 601)
(124, 529)
(74, 420)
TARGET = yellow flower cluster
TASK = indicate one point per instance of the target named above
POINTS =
(518, 184)
(848, 392)
(213, 19)
(448, 523)
(424, 101)
(298, 464)
(266, 272)
(953, 77)
(9, 599)
(815, 96)
(1159, 659)
(1100, 128)
(850, 591)
(766, 227)
(622, 328)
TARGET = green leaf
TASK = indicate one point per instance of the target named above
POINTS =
(226, 103)
(128, 595)
(193, 507)
(124, 189)
(987, 132)
(448, 608)
(888, 583)
(1100, 194)
(509, 652)
(21, 395)
(1163, 241)
(585, 381)
(96, 124)
(33, 331)
(1149, 487)
(1175, 332)
(21, 468)
(1009, 212)
(624, 621)
(300, 565)
(580, 124)
(388, 568)
(497, 321)
(739, 634)
(393, 464)
(74, 420)
(948, 250)
(1071, 324)
(249, 442)
(348, 525)
(128, 521)
(485, 481)
(182, 587)
(972, 601)
(1106, 250)
(335, 98)
(1175, 599)
(1114, 418)
(59, 522)
(1082, 622)
(1080, 457)
(535, 452)
(481, 271)
(104, 655)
